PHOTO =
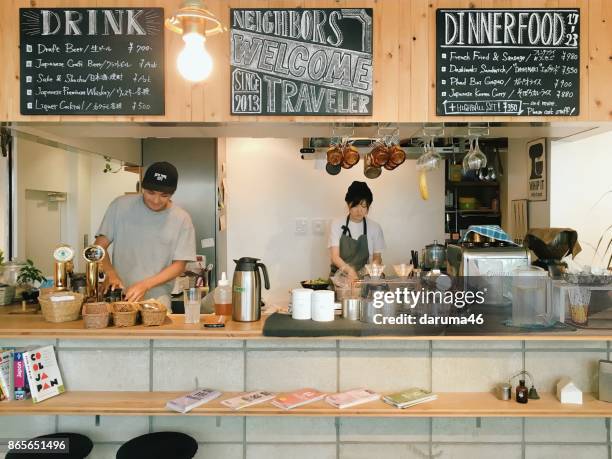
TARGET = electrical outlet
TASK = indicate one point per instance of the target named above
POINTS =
(301, 226)
(318, 226)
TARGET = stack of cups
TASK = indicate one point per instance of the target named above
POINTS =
(323, 305)
(301, 303)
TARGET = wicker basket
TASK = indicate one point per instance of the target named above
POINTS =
(96, 315)
(153, 313)
(61, 306)
(7, 294)
(124, 313)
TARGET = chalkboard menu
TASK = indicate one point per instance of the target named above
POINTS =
(519, 62)
(301, 61)
(92, 61)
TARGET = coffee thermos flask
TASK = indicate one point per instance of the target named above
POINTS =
(246, 289)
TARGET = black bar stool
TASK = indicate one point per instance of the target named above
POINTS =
(79, 447)
(159, 445)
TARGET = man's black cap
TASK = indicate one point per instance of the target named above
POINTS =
(161, 177)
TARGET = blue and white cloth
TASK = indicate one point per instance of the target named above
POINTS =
(493, 231)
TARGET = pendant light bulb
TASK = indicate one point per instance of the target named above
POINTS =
(194, 62)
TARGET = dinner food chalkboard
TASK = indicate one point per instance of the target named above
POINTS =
(92, 61)
(519, 62)
(301, 61)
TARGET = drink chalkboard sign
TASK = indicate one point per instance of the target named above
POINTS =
(518, 62)
(92, 61)
(301, 61)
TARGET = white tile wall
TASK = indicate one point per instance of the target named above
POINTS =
(106, 369)
(291, 370)
(208, 451)
(384, 371)
(389, 451)
(295, 429)
(103, 451)
(566, 452)
(565, 430)
(387, 344)
(280, 343)
(456, 371)
(459, 430)
(24, 427)
(371, 430)
(178, 369)
(477, 345)
(203, 429)
(293, 451)
(197, 343)
(467, 451)
(111, 428)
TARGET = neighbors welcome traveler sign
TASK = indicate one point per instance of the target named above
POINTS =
(301, 61)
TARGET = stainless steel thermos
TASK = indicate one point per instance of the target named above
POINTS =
(246, 289)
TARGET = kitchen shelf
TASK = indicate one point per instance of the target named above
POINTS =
(33, 326)
(475, 211)
(458, 404)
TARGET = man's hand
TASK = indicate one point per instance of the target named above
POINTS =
(137, 291)
(112, 282)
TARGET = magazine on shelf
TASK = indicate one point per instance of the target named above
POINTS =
(298, 398)
(248, 399)
(44, 377)
(20, 378)
(352, 398)
(409, 397)
(189, 401)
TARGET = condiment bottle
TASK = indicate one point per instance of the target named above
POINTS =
(223, 297)
(521, 392)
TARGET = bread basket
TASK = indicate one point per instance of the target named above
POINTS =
(153, 312)
(96, 315)
(124, 313)
(61, 306)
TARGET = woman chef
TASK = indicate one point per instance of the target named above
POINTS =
(355, 240)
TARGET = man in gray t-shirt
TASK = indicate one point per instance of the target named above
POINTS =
(152, 238)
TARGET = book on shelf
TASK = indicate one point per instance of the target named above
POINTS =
(409, 397)
(44, 377)
(188, 402)
(248, 399)
(6, 374)
(20, 377)
(352, 398)
(298, 398)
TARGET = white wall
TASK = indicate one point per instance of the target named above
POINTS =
(269, 186)
(581, 191)
(80, 175)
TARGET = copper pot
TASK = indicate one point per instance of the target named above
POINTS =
(389, 166)
(396, 155)
(350, 156)
(334, 156)
(380, 155)
(370, 170)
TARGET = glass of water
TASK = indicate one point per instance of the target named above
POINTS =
(192, 297)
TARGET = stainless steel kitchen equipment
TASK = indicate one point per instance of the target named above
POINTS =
(434, 256)
(246, 289)
(351, 308)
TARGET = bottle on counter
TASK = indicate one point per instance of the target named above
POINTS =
(223, 297)
(521, 392)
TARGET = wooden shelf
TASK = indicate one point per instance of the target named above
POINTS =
(32, 326)
(458, 404)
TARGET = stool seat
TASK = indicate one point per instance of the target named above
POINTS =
(79, 447)
(159, 445)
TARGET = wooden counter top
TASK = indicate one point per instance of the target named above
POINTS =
(459, 404)
(27, 326)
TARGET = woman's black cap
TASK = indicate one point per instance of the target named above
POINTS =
(357, 192)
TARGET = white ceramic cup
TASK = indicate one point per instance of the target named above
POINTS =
(301, 308)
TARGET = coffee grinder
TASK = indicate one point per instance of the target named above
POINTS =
(63, 256)
(93, 255)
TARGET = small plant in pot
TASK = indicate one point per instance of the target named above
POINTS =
(28, 276)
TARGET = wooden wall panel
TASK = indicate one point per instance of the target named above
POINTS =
(404, 61)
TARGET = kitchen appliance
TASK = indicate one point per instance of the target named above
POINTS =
(246, 289)
(487, 268)
(63, 256)
(93, 255)
(434, 256)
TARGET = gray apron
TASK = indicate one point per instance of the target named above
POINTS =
(353, 252)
